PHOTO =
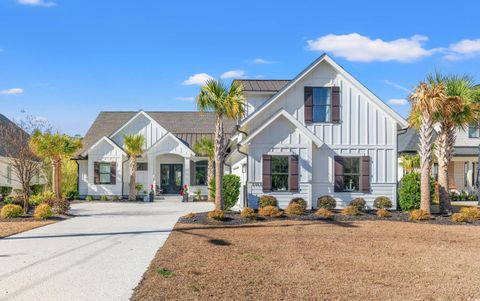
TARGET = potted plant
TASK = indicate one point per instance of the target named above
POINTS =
(138, 188)
(146, 198)
(184, 193)
(198, 195)
(151, 195)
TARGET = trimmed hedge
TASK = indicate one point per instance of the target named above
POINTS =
(327, 202)
(231, 190)
(409, 192)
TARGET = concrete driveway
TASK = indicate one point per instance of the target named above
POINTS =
(101, 254)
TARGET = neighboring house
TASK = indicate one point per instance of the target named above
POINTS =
(462, 171)
(168, 162)
(321, 133)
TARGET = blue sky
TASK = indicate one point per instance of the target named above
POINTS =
(66, 60)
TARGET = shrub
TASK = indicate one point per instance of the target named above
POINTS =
(359, 203)
(409, 192)
(248, 213)
(327, 202)
(37, 189)
(295, 209)
(350, 210)
(44, 197)
(72, 195)
(89, 198)
(270, 211)
(382, 202)
(217, 215)
(419, 215)
(11, 210)
(190, 215)
(43, 211)
(382, 212)
(5, 191)
(459, 218)
(115, 198)
(103, 198)
(267, 200)
(471, 213)
(231, 190)
(323, 212)
(59, 206)
(299, 201)
(138, 187)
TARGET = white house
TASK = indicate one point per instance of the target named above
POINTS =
(168, 162)
(321, 133)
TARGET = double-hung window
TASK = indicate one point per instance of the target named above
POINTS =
(322, 104)
(201, 170)
(351, 174)
(280, 173)
(104, 173)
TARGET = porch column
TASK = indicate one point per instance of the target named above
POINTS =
(186, 171)
(151, 173)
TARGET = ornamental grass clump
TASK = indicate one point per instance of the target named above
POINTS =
(295, 209)
(299, 201)
(43, 211)
(270, 211)
(359, 203)
(217, 215)
(383, 213)
(11, 211)
(248, 213)
(459, 218)
(325, 213)
(467, 214)
(327, 202)
(267, 200)
(190, 215)
(419, 215)
(350, 211)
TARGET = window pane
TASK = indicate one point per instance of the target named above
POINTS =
(280, 165)
(321, 114)
(321, 96)
(352, 165)
(473, 131)
(351, 183)
(200, 175)
(105, 168)
(104, 178)
(279, 182)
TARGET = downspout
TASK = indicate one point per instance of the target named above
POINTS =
(245, 197)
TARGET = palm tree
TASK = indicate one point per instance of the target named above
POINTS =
(54, 147)
(214, 96)
(456, 110)
(410, 163)
(205, 147)
(134, 148)
(425, 101)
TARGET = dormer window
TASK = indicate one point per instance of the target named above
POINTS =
(474, 131)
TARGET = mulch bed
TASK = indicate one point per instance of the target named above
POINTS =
(315, 260)
(234, 218)
(10, 226)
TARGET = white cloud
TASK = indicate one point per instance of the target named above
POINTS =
(12, 91)
(233, 74)
(398, 101)
(358, 48)
(197, 79)
(186, 99)
(463, 49)
(42, 3)
(261, 61)
(398, 86)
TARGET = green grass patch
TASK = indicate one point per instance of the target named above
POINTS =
(165, 273)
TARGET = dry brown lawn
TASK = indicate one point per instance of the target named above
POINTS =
(366, 260)
(10, 227)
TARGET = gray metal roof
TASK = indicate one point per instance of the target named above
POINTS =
(263, 85)
(187, 126)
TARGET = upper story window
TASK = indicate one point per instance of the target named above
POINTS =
(474, 131)
(322, 104)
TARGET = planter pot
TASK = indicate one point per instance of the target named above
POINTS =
(185, 197)
(146, 198)
(151, 197)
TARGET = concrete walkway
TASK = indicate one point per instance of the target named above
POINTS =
(101, 254)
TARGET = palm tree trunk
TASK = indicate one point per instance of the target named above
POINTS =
(219, 162)
(211, 175)
(132, 195)
(444, 152)
(425, 151)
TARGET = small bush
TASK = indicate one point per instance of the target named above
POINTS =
(299, 201)
(350, 211)
(44, 197)
(59, 206)
(270, 211)
(471, 213)
(267, 200)
(459, 218)
(89, 198)
(248, 213)
(103, 198)
(190, 215)
(11, 210)
(295, 209)
(409, 191)
(327, 202)
(5, 191)
(72, 195)
(115, 198)
(419, 215)
(382, 212)
(217, 215)
(359, 203)
(323, 212)
(231, 190)
(382, 202)
(43, 211)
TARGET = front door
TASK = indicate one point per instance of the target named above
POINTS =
(171, 178)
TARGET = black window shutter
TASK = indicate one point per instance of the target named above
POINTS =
(365, 181)
(192, 172)
(308, 105)
(96, 172)
(294, 185)
(335, 104)
(113, 173)
(338, 170)
(267, 173)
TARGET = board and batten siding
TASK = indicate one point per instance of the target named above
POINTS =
(364, 129)
(144, 126)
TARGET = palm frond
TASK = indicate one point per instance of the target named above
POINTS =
(134, 144)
